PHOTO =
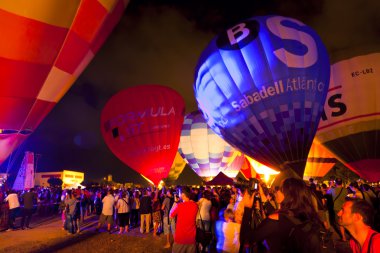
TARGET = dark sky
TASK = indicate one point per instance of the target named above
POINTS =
(159, 42)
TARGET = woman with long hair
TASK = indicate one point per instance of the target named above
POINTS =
(296, 208)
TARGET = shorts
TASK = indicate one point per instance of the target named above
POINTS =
(157, 216)
(106, 218)
(166, 226)
(123, 219)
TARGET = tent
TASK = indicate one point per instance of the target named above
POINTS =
(221, 179)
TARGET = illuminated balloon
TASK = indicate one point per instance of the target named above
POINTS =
(142, 126)
(234, 167)
(320, 161)
(176, 168)
(262, 85)
(350, 125)
(44, 47)
(247, 169)
(262, 169)
(205, 152)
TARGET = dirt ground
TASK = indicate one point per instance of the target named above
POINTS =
(47, 236)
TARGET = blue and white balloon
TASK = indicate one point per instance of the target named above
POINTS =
(261, 86)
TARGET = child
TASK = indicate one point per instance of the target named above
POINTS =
(227, 233)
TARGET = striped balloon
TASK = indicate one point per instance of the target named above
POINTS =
(320, 161)
(44, 46)
(176, 168)
(205, 152)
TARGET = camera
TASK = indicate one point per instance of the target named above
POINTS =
(252, 186)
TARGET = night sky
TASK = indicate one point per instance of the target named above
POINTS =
(159, 42)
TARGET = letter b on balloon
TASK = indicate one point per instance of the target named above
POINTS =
(273, 61)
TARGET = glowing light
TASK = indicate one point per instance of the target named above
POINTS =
(147, 179)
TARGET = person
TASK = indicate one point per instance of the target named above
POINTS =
(14, 206)
(338, 195)
(357, 217)
(356, 192)
(135, 209)
(204, 204)
(185, 212)
(227, 233)
(71, 204)
(295, 199)
(166, 206)
(107, 211)
(252, 216)
(145, 211)
(156, 209)
(173, 221)
(122, 206)
(29, 198)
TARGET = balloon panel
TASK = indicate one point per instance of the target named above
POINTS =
(44, 47)
(205, 152)
(247, 169)
(176, 168)
(350, 125)
(320, 161)
(142, 125)
(234, 167)
(261, 86)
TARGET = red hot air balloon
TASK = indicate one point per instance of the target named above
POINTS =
(142, 127)
(44, 47)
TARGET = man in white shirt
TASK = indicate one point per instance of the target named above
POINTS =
(14, 206)
(107, 211)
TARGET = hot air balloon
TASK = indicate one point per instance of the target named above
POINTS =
(205, 152)
(176, 168)
(44, 47)
(350, 125)
(142, 126)
(320, 161)
(262, 85)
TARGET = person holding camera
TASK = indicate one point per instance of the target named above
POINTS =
(296, 208)
(253, 215)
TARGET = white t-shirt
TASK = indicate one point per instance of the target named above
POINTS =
(13, 200)
(108, 202)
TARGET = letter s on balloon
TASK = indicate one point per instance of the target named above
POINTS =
(291, 60)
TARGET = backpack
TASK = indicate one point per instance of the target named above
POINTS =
(309, 237)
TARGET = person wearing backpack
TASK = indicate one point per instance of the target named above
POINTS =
(357, 217)
(294, 228)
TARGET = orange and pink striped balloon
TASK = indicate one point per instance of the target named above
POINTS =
(44, 46)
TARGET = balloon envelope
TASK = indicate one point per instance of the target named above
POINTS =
(320, 161)
(205, 152)
(176, 168)
(261, 86)
(235, 165)
(142, 126)
(350, 126)
(44, 47)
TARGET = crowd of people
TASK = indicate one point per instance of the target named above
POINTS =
(297, 216)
